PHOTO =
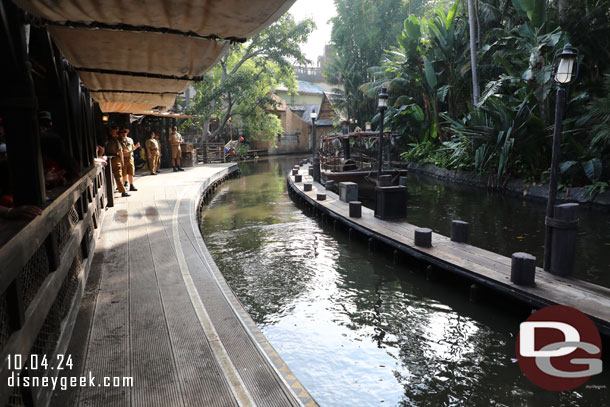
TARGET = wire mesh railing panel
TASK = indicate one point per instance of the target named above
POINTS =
(48, 336)
(65, 227)
(33, 275)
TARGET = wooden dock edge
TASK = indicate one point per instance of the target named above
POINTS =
(290, 384)
(512, 291)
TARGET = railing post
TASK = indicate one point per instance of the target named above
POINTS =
(16, 312)
(109, 184)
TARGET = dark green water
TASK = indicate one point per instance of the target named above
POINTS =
(358, 330)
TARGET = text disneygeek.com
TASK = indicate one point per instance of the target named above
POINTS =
(24, 373)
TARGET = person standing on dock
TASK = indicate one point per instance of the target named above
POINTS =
(128, 164)
(175, 139)
(152, 152)
(113, 148)
(159, 154)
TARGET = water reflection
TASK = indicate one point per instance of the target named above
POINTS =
(356, 329)
(505, 224)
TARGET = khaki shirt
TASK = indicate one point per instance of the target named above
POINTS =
(128, 145)
(113, 147)
(152, 144)
(175, 139)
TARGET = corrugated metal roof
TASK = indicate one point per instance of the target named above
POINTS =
(304, 87)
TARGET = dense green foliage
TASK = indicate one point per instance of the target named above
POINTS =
(239, 85)
(427, 72)
(362, 30)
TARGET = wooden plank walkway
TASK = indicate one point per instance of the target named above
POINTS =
(156, 308)
(485, 267)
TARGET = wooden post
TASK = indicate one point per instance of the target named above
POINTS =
(402, 181)
(523, 269)
(74, 99)
(423, 237)
(298, 178)
(384, 181)
(295, 172)
(109, 184)
(84, 201)
(16, 308)
(430, 273)
(474, 293)
(310, 171)
(321, 196)
(390, 202)
(18, 100)
(348, 191)
(355, 209)
(52, 248)
(459, 231)
(563, 242)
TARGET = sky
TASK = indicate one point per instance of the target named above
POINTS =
(321, 11)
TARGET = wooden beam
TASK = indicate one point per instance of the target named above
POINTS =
(195, 78)
(95, 25)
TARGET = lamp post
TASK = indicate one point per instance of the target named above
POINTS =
(382, 106)
(565, 71)
(316, 157)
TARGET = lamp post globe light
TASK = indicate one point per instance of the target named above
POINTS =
(565, 71)
(381, 106)
(316, 157)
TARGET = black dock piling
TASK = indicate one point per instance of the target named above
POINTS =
(459, 231)
(355, 209)
(423, 237)
(523, 269)
(563, 243)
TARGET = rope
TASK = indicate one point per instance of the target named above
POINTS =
(561, 224)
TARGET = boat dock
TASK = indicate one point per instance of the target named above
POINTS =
(156, 308)
(482, 267)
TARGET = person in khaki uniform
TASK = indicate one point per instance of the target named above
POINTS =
(158, 163)
(175, 139)
(128, 164)
(113, 147)
(160, 153)
(153, 152)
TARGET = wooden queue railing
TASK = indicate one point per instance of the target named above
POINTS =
(44, 270)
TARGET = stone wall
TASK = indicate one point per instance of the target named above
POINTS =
(513, 186)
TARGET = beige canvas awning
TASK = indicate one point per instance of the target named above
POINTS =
(226, 18)
(138, 56)
(99, 81)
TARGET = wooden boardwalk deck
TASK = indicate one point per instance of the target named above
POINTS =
(484, 267)
(157, 309)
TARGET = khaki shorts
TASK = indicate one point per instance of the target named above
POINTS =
(176, 152)
(128, 166)
(116, 165)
